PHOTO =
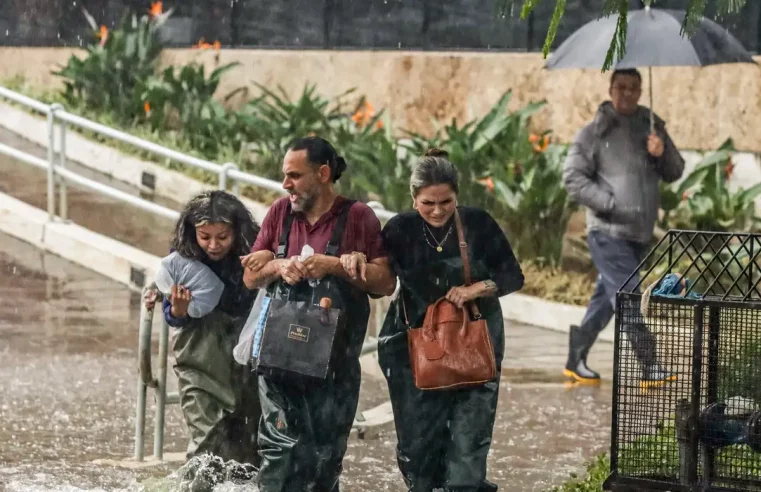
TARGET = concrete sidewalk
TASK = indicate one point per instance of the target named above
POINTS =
(538, 354)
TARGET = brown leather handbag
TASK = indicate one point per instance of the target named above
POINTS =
(451, 350)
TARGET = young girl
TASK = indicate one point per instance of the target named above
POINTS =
(219, 399)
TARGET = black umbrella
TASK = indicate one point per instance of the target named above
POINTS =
(653, 39)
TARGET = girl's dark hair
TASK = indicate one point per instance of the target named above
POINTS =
(320, 152)
(433, 169)
(214, 207)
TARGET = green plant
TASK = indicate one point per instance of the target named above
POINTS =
(703, 200)
(113, 74)
(740, 368)
(276, 120)
(536, 206)
(183, 99)
(657, 455)
(597, 470)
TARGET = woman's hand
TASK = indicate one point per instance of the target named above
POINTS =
(180, 300)
(460, 295)
(255, 261)
(355, 265)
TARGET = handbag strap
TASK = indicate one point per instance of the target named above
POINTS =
(465, 260)
(404, 307)
(463, 248)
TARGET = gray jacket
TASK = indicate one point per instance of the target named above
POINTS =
(609, 171)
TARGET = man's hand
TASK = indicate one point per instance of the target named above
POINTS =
(293, 271)
(180, 300)
(355, 265)
(255, 261)
(318, 266)
(654, 145)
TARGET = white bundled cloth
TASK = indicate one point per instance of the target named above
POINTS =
(204, 285)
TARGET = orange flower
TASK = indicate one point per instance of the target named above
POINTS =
(363, 115)
(217, 45)
(686, 195)
(379, 125)
(540, 142)
(729, 168)
(147, 108)
(102, 35)
(201, 45)
(488, 183)
(157, 8)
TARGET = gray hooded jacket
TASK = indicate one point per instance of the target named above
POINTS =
(609, 171)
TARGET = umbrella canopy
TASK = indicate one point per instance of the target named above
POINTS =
(653, 39)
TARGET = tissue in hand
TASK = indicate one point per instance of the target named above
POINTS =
(306, 252)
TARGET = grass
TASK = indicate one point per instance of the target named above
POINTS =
(597, 471)
(557, 284)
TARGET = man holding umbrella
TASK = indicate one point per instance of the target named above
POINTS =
(614, 168)
(617, 161)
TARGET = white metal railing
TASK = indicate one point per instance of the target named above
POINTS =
(56, 172)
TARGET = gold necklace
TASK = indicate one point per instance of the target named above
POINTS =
(438, 246)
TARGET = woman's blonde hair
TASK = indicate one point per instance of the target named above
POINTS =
(434, 168)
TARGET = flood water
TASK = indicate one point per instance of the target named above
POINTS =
(68, 370)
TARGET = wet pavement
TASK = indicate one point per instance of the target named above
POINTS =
(68, 346)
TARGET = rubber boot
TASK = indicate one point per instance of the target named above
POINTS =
(579, 344)
(644, 343)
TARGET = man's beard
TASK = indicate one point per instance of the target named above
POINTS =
(305, 201)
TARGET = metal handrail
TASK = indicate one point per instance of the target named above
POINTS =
(146, 380)
(56, 112)
(90, 184)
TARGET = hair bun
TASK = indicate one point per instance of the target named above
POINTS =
(434, 152)
(340, 167)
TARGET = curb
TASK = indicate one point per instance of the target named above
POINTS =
(113, 259)
(550, 315)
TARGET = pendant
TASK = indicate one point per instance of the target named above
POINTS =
(439, 249)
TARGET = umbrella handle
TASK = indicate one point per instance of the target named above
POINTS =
(652, 117)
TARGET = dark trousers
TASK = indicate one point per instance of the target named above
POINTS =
(443, 436)
(305, 429)
(615, 260)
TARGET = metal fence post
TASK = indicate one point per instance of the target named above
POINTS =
(63, 205)
(158, 431)
(226, 167)
(51, 163)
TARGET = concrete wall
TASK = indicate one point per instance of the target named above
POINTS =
(702, 106)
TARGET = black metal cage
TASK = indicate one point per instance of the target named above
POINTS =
(687, 367)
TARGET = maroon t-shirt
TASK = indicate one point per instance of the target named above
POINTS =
(362, 233)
